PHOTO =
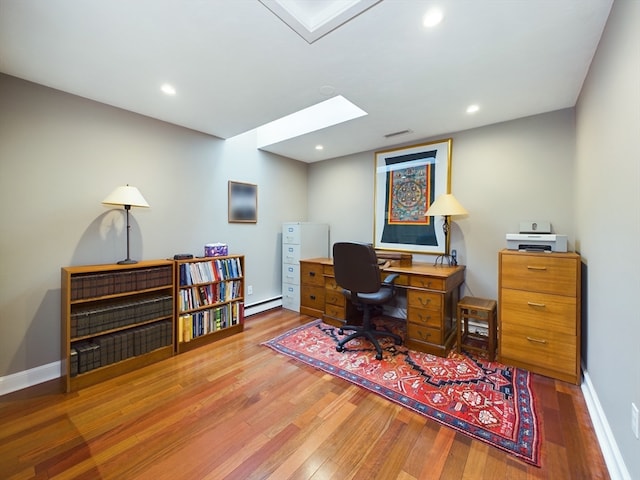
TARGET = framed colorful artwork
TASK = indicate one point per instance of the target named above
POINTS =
(243, 202)
(407, 181)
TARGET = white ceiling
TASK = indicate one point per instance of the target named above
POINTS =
(236, 65)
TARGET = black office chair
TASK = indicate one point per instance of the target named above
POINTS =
(357, 271)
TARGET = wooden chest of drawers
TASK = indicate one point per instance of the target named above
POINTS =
(539, 312)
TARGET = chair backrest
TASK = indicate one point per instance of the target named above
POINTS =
(355, 266)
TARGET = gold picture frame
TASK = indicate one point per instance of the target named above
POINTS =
(243, 202)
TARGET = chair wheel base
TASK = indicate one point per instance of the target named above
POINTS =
(378, 356)
(339, 348)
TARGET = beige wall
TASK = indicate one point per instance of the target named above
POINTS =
(61, 155)
(608, 222)
(502, 174)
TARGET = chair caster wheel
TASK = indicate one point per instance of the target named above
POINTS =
(339, 348)
(340, 331)
(378, 356)
(398, 342)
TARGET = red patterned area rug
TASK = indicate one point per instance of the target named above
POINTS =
(485, 400)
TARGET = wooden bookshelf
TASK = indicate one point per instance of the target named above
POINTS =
(115, 318)
(209, 300)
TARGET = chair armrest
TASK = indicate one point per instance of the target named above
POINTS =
(389, 279)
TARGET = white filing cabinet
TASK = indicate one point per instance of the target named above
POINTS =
(300, 240)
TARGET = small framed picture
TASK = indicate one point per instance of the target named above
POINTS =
(243, 202)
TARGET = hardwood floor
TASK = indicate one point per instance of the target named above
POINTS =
(238, 410)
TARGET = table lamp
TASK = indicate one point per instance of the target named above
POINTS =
(126, 196)
(446, 205)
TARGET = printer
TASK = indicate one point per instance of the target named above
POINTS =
(536, 237)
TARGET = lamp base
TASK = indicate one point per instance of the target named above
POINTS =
(451, 260)
(128, 261)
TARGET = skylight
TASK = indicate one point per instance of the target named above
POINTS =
(322, 115)
(312, 19)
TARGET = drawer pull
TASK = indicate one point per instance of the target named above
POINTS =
(312, 274)
(424, 336)
(536, 340)
(312, 297)
(531, 267)
(425, 302)
(534, 304)
(424, 319)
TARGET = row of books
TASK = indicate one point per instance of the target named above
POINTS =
(95, 318)
(86, 286)
(107, 349)
(200, 323)
(208, 271)
(202, 295)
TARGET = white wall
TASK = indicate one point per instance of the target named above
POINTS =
(61, 155)
(608, 222)
(502, 174)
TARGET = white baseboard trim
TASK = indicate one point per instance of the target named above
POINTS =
(610, 451)
(28, 378)
(44, 373)
(262, 306)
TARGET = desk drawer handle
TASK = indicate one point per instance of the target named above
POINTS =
(312, 297)
(424, 319)
(530, 267)
(534, 304)
(312, 274)
(425, 302)
(536, 340)
(423, 335)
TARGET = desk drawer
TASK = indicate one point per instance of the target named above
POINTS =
(424, 299)
(426, 282)
(555, 313)
(424, 334)
(402, 280)
(335, 311)
(424, 317)
(312, 297)
(334, 297)
(311, 274)
(330, 284)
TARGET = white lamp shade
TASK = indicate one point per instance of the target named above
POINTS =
(445, 205)
(126, 195)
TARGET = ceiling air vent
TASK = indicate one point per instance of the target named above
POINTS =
(395, 134)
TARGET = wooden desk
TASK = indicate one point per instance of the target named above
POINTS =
(432, 296)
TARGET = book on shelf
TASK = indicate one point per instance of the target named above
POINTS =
(115, 347)
(95, 285)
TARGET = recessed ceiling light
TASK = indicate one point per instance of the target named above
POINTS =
(168, 89)
(473, 108)
(432, 18)
(319, 147)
